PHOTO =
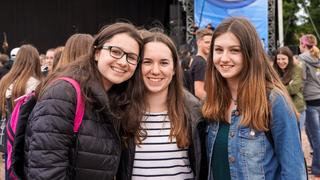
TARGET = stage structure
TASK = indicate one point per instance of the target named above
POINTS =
(188, 7)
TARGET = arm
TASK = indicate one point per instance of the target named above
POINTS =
(285, 132)
(295, 85)
(199, 90)
(49, 133)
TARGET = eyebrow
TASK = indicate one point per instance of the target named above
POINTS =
(237, 46)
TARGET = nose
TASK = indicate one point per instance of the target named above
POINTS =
(122, 61)
(155, 69)
(225, 56)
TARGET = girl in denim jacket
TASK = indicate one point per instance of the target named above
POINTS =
(246, 100)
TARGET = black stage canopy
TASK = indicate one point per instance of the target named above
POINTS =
(47, 24)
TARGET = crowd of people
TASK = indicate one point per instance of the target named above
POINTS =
(222, 112)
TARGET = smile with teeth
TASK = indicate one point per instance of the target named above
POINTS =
(117, 69)
(226, 67)
(155, 79)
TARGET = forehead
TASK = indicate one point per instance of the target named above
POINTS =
(50, 53)
(125, 42)
(227, 39)
(207, 38)
(157, 49)
(282, 56)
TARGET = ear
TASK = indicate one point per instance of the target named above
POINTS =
(97, 55)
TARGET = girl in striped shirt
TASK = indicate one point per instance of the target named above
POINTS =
(157, 129)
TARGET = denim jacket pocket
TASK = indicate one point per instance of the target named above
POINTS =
(252, 151)
(251, 142)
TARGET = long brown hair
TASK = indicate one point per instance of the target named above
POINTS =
(286, 75)
(175, 99)
(255, 81)
(76, 46)
(26, 65)
(85, 69)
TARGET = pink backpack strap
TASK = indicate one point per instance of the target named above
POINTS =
(80, 103)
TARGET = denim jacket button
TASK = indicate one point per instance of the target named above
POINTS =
(231, 134)
(231, 159)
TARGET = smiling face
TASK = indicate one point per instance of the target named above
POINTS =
(157, 67)
(282, 61)
(227, 56)
(112, 70)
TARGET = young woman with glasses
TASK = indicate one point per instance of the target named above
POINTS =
(103, 77)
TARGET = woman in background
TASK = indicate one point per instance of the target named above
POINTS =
(310, 58)
(291, 76)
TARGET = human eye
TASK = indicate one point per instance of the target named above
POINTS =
(147, 61)
(164, 63)
(218, 50)
(235, 50)
(116, 52)
(132, 57)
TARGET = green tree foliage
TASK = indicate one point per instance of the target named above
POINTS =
(292, 31)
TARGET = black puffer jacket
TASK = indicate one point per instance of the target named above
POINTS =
(49, 146)
(196, 152)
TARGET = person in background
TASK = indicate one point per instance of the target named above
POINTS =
(251, 129)
(310, 59)
(3, 60)
(7, 66)
(291, 76)
(76, 46)
(57, 55)
(159, 141)
(24, 76)
(198, 64)
(44, 67)
(49, 60)
(50, 149)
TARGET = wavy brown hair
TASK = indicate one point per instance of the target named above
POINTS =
(175, 99)
(26, 65)
(255, 81)
(286, 75)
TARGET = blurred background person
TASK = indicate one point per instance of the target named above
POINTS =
(291, 76)
(310, 58)
(76, 46)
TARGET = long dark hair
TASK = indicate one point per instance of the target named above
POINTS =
(85, 69)
(286, 74)
(131, 123)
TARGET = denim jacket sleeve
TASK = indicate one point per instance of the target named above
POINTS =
(285, 132)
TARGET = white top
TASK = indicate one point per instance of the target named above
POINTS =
(157, 157)
(32, 83)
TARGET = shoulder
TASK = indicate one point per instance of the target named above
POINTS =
(59, 90)
(32, 83)
(280, 104)
(193, 105)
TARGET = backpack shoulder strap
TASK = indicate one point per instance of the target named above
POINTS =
(80, 103)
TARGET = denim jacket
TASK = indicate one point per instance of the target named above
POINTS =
(250, 154)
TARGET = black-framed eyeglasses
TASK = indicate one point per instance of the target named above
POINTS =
(118, 53)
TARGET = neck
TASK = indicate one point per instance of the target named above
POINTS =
(157, 102)
(233, 87)
(200, 53)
